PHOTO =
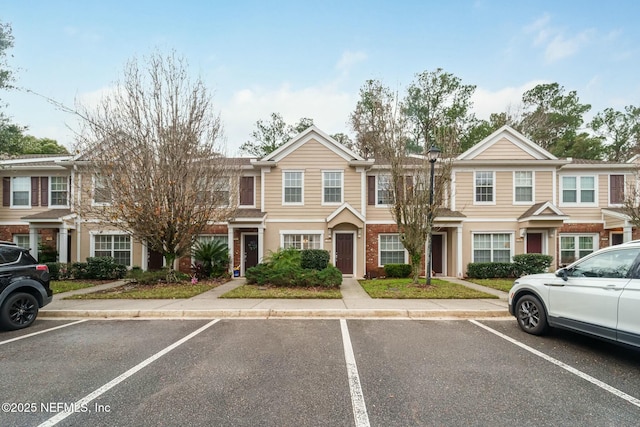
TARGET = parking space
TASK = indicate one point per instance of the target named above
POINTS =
(296, 372)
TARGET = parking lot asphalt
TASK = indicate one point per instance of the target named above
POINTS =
(355, 303)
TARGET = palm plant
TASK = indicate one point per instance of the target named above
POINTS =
(213, 257)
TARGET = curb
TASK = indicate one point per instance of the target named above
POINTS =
(274, 314)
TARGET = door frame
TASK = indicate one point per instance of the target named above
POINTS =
(353, 255)
(242, 236)
(443, 254)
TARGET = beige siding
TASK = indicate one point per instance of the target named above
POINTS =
(504, 150)
(9, 215)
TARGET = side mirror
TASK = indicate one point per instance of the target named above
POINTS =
(562, 273)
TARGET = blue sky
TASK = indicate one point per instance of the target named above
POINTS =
(309, 59)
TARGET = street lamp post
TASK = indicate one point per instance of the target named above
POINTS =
(433, 155)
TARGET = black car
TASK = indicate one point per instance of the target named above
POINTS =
(24, 287)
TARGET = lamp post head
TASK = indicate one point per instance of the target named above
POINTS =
(433, 154)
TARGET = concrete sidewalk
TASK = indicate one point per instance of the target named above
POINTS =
(355, 303)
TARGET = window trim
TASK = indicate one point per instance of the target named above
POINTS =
(493, 188)
(404, 250)
(28, 205)
(576, 250)
(341, 173)
(51, 191)
(378, 189)
(533, 188)
(301, 172)
(578, 190)
(302, 233)
(492, 233)
(92, 243)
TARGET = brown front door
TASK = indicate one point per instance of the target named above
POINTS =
(250, 250)
(344, 252)
(436, 254)
(534, 243)
(155, 260)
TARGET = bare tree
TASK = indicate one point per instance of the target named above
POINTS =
(382, 129)
(154, 144)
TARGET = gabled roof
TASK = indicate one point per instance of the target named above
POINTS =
(513, 136)
(353, 213)
(311, 132)
(543, 211)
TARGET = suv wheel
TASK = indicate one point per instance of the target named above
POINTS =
(531, 315)
(18, 311)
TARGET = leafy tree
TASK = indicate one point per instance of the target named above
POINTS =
(620, 131)
(33, 145)
(154, 143)
(11, 139)
(553, 119)
(6, 42)
(438, 100)
(269, 135)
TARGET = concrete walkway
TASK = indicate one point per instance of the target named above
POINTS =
(355, 303)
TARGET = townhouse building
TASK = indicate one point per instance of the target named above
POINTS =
(506, 196)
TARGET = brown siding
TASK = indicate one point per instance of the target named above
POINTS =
(44, 191)
(6, 191)
(35, 181)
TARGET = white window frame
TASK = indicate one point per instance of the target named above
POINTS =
(516, 186)
(51, 191)
(492, 248)
(284, 183)
(13, 180)
(92, 249)
(493, 188)
(208, 238)
(17, 237)
(379, 189)
(406, 253)
(223, 184)
(578, 190)
(341, 175)
(301, 234)
(94, 181)
(576, 250)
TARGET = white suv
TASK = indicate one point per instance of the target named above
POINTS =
(597, 295)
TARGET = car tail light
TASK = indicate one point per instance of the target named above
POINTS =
(42, 267)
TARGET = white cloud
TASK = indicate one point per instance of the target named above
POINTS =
(328, 107)
(486, 102)
(349, 59)
(555, 43)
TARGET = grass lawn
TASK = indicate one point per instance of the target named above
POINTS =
(499, 284)
(254, 291)
(59, 286)
(402, 288)
(155, 291)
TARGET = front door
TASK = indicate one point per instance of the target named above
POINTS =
(436, 254)
(344, 252)
(250, 250)
(534, 243)
(155, 260)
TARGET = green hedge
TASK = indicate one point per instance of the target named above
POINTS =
(314, 259)
(522, 265)
(397, 270)
(531, 264)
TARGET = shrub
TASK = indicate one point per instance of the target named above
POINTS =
(490, 270)
(531, 264)
(314, 259)
(397, 270)
(104, 268)
(54, 270)
(147, 277)
(78, 270)
(47, 254)
(213, 256)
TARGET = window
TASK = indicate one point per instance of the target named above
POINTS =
(484, 187)
(391, 249)
(21, 191)
(117, 246)
(101, 190)
(523, 187)
(492, 247)
(59, 190)
(384, 192)
(302, 241)
(609, 264)
(573, 247)
(578, 189)
(332, 187)
(221, 192)
(292, 187)
(616, 189)
(22, 240)
(206, 238)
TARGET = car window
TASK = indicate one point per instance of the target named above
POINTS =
(9, 255)
(609, 264)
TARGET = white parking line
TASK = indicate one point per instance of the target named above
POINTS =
(41, 332)
(357, 398)
(587, 377)
(114, 382)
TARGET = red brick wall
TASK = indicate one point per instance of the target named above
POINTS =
(7, 232)
(372, 231)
